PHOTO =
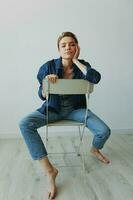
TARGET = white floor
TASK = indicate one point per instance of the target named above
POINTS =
(22, 179)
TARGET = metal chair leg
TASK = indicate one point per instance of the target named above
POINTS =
(81, 139)
(46, 137)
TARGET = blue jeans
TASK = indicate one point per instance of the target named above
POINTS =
(35, 120)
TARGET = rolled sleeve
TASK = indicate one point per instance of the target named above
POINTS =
(91, 75)
(40, 93)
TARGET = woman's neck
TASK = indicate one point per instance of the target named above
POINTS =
(67, 63)
(67, 69)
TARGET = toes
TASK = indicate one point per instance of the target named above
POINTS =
(51, 196)
(104, 160)
(100, 157)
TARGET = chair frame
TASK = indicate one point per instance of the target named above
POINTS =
(67, 86)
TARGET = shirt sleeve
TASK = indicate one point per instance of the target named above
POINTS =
(43, 71)
(91, 75)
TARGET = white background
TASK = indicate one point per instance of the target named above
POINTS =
(28, 33)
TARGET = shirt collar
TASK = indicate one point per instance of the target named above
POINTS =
(59, 65)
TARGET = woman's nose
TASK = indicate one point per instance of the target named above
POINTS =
(67, 46)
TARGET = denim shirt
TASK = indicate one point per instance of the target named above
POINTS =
(55, 67)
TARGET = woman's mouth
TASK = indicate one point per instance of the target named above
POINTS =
(69, 52)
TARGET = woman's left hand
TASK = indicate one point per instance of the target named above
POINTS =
(76, 55)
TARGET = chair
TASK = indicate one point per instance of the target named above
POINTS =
(68, 86)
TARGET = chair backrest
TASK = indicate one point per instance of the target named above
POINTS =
(67, 86)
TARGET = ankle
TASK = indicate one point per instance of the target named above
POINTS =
(50, 170)
(93, 149)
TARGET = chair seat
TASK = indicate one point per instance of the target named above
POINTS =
(66, 123)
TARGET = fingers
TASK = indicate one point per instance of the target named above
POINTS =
(52, 78)
(77, 52)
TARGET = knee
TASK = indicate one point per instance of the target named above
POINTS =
(22, 123)
(25, 123)
(106, 132)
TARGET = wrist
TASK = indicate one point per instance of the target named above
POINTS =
(74, 60)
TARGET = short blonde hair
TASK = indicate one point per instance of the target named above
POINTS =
(66, 34)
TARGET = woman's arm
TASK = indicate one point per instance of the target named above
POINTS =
(75, 60)
(89, 73)
(81, 66)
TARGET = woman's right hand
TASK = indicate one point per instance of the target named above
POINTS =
(52, 78)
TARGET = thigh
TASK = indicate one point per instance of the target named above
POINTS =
(38, 119)
(94, 123)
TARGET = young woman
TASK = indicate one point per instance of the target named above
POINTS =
(72, 107)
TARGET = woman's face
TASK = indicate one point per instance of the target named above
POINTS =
(67, 48)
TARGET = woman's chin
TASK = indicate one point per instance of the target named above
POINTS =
(67, 57)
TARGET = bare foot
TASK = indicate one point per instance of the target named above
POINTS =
(99, 155)
(52, 186)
